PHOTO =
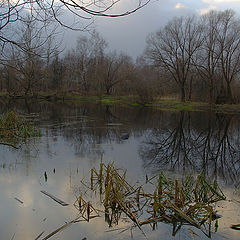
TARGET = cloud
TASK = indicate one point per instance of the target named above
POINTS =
(180, 5)
(218, 5)
(206, 10)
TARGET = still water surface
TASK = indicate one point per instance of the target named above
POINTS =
(75, 137)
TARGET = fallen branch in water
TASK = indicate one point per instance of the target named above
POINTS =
(59, 229)
(9, 144)
(39, 235)
(18, 200)
(55, 198)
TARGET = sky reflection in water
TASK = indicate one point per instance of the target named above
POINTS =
(74, 139)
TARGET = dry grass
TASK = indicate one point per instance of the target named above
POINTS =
(177, 202)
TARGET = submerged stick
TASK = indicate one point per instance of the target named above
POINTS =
(39, 235)
(13, 236)
(55, 198)
(59, 229)
(9, 144)
(18, 200)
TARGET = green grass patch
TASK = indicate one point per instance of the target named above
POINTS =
(168, 103)
(135, 104)
(109, 101)
(176, 105)
(81, 99)
(183, 107)
(166, 100)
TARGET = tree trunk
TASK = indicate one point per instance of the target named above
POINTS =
(108, 90)
(211, 89)
(183, 94)
(229, 92)
(190, 89)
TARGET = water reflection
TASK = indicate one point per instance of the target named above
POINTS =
(74, 137)
(195, 141)
(175, 141)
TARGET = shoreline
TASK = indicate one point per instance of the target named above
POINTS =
(164, 104)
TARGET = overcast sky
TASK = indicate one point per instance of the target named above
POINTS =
(128, 34)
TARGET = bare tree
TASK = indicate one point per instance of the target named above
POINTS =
(110, 71)
(83, 54)
(82, 62)
(89, 52)
(207, 58)
(147, 83)
(28, 61)
(56, 72)
(173, 48)
(9, 75)
(228, 40)
(218, 60)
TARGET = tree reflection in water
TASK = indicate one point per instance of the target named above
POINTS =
(179, 141)
(208, 143)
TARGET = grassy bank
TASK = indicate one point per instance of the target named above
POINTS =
(168, 104)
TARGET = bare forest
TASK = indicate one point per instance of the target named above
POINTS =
(190, 58)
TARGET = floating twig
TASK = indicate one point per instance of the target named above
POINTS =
(39, 235)
(55, 198)
(18, 200)
(59, 229)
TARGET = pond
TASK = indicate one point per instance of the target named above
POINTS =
(143, 141)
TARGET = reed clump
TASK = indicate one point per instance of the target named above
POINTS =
(160, 199)
(14, 129)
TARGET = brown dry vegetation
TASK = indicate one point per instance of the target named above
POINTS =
(161, 199)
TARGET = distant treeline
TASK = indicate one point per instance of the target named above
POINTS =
(193, 58)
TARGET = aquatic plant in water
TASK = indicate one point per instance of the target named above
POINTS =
(15, 130)
(161, 199)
